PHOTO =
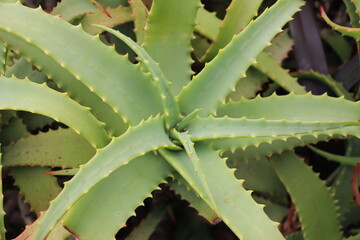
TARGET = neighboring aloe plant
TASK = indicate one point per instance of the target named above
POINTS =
(134, 126)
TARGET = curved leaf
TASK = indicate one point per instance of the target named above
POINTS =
(128, 186)
(271, 68)
(61, 148)
(137, 141)
(171, 108)
(238, 15)
(235, 205)
(294, 108)
(118, 83)
(58, 106)
(352, 32)
(140, 13)
(167, 39)
(38, 188)
(295, 175)
(210, 87)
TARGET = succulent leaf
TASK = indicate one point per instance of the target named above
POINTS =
(215, 80)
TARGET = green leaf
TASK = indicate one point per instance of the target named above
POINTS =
(38, 188)
(171, 108)
(322, 225)
(351, 10)
(3, 55)
(207, 23)
(235, 205)
(352, 32)
(61, 148)
(121, 82)
(350, 161)
(337, 87)
(72, 9)
(257, 147)
(22, 69)
(249, 86)
(293, 108)
(140, 13)
(132, 184)
(217, 81)
(119, 15)
(58, 106)
(137, 141)
(180, 186)
(239, 14)
(148, 225)
(167, 39)
(15, 130)
(259, 176)
(213, 128)
(272, 69)
(281, 45)
(35, 121)
(338, 43)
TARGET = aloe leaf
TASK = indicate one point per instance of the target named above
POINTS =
(72, 9)
(263, 180)
(281, 45)
(338, 43)
(22, 69)
(212, 128)
(137, 141)
(66, 110)
(357, 7)
(119, 15)
(148, 225)
(235, 205)
(273, 210)
(337, 87)
(7, 116)
(351, 10)
(61, 148)
(308, 108)
(121, 82)
(132, 184)
(322, 225)
(59, 232)
(63, 172)
(34, 121)
(249, 86)
(171, 108)
(255, 148)
(215, 80)
(68, 82)
(239, 14)
(188, 145)
(180, 186)
(271, 68)
(342, 189)
(2, 212)
(12, 132)
(347, 31)
(350, 161)
(139, 13)
(207, 23)
(3, 54)
(38, 188)
(167, 39)
(180, 162)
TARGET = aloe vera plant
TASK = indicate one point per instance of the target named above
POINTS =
(134, 126)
